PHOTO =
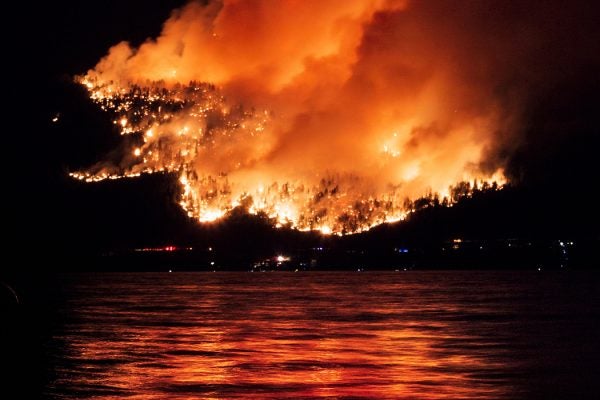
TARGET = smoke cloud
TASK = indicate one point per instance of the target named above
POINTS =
(327, 114)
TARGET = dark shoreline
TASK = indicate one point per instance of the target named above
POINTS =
(456, 254)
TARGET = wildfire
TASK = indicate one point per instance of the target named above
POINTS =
(328, 140)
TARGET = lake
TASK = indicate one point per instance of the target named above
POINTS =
(336, 335)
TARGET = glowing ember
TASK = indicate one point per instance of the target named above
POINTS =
(330, 128)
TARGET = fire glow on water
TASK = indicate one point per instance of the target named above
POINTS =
(306, 112)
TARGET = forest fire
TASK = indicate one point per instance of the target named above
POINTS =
(323, 116)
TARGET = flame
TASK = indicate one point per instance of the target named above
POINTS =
(210, 215)
(314, 113)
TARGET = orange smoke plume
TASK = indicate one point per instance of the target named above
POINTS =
(322, 114)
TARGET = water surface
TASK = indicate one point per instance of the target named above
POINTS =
(403, 335)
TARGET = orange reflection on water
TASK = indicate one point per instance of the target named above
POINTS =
(221, 336)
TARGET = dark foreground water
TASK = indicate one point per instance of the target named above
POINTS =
(415, 335)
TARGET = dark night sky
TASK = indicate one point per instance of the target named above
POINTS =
(556, 166)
